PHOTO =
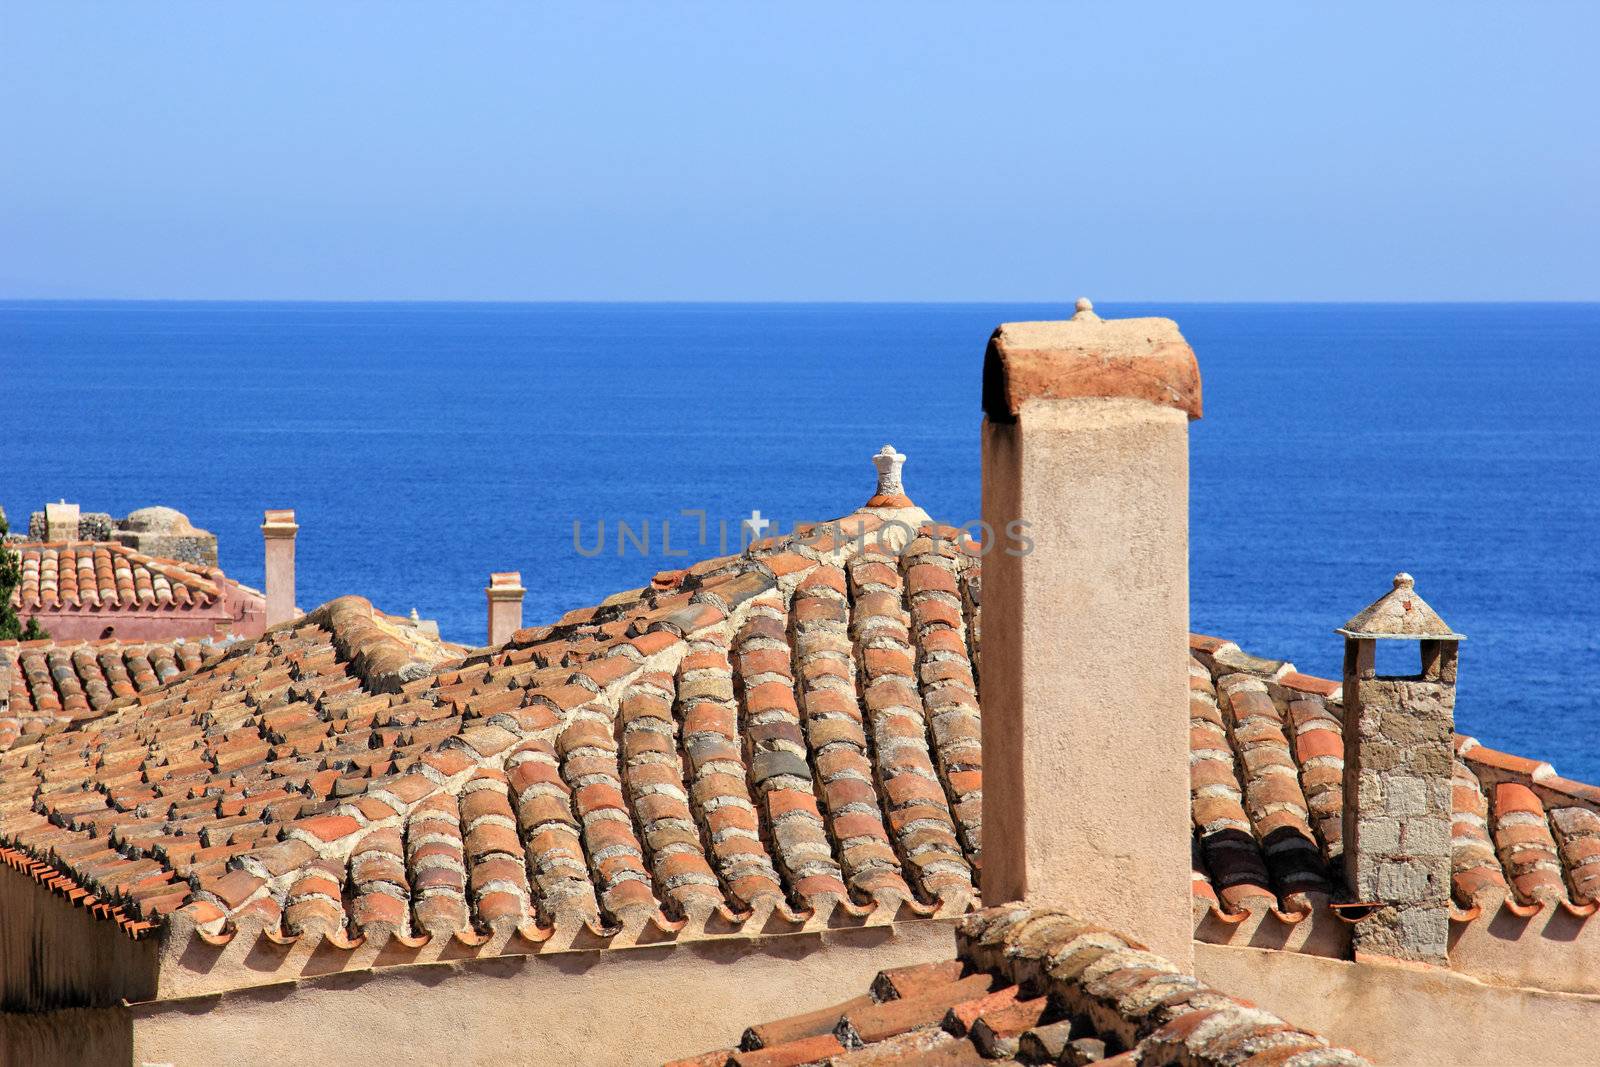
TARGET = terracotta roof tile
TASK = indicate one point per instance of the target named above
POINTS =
(745, 746)
(45, 685)
(1267, 768)
(111, 578)
(1040, 986)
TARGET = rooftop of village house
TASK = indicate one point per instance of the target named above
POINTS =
(783, 740)
(276, 784)
(1038, 986)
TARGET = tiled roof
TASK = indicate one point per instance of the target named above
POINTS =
(1266, 774)
(117, 812)
(761, 737)
(1032, 985)
(107, 575)
(46, 684)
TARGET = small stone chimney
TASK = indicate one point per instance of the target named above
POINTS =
(278, 529)
(1398, 759)
(505, 594)
(61, 521)
(1085, 673)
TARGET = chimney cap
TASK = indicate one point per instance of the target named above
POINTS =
(278, 522)
(891, 492)
(1089, 357)
(505, 585)
(1399, 615)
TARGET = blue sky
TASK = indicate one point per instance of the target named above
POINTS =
(819, 151)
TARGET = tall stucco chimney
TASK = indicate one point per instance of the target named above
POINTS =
(505, 594)
(278, 529)
(1398, 759)
(1085, 672)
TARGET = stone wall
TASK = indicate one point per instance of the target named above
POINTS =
(1398, 764)
(156, 531)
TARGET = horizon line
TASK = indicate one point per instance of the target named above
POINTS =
(1066, 302)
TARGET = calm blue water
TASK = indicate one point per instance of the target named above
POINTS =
(425, 445)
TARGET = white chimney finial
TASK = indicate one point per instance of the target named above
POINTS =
(889, 462)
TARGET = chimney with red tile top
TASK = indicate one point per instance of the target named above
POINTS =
(1085, 673)
(505, 594)
(1398, 766)
(278, 529)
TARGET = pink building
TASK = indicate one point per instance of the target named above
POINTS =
(86, 590)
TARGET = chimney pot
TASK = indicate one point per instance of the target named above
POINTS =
(1398, 764)
(1085, 680)
(278, 530)
(505, 593)
(891, 490)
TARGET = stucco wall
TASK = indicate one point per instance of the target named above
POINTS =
(1402, 1016)
(1554, 950)
(1085, 666)
(630, 1006)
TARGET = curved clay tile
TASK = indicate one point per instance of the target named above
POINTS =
(550, 831)
(652, 776)
(947, 683)
(1272, 795)
(1318, 745)
(588, 749)
(719, 787)
(497, 876)
(1476, 880)
(1526, 848)
(776, 744)
(1228, 846)
(918, 809)
(1577, 833)
(435, 862)
(824, 666)
(315, 901)
(378, 876)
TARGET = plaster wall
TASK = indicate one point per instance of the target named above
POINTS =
(1554, 950)
(1085, 683)
(280, 576)
(505, 618)
(138, 625)
(1409, 1016)
(630, 1006)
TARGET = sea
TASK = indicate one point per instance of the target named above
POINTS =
(424, 446)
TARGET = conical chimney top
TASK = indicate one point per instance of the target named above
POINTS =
(1400, 615)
